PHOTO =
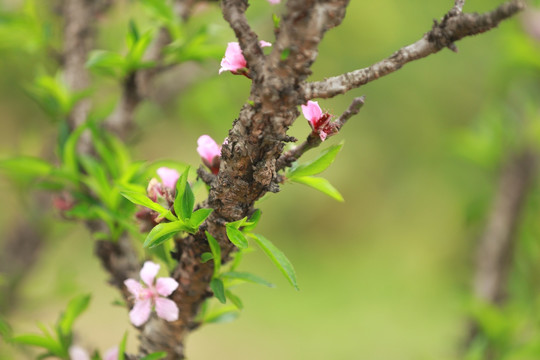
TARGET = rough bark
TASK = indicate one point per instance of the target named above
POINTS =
(253, 154)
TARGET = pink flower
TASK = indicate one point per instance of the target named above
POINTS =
(274, 2)
(77, 353)
(319, 122)
(152, 295)
(169, 177)
(111, 354)
(210, 152)
(234, 60)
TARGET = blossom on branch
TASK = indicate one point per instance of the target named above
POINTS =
(168, 176)
(210, 152)
(319, 121)
(78, 353)
(234, 60)
(274, 2)
(152, 296)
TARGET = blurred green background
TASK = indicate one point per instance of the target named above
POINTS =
(384, 275)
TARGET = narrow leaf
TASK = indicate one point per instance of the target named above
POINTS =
(26, 166)
(320, 184)
(216, 252)
(245, 276)
(183, 204)
(253, 221)
(143, 200)
(75, 308)
(122, 347)
(236, 237)
(39, 341)
(163, 232)
(277, 257)
(219, 290)
(234, 299)
(323, 161)
(198, 217)
(206, 256)
(238, 223)
(155, 356)
(227, 314)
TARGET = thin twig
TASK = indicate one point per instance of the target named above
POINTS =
(451, 29)
(313, 140)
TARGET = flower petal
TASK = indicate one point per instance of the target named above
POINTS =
(234, 59)
(274, 2)
(140, 312)
(208, 148)
(149, 272)
(263, 43)
(166, 309)
(133, 286)
(77, 353)
(166, 285)
(168, 176)
(111, 354)
(312, 111)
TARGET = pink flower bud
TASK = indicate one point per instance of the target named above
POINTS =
(169, 177)
(210, 152)
(319, 121)
(234, 60)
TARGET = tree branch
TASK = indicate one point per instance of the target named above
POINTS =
(454, 26)
(313, 140)
(234, 14)
(495, 250)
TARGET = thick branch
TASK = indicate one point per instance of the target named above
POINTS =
(455, 26)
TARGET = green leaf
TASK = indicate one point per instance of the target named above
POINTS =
(277, 257)
(107, 63)
(122, 347)
(318, 165)
(320, 184)
(245, 276)
(155, 356)
(163, 232)
(26, 167)
(69, 159)
(224, 315)
(216, 252)
(276, 19)
(206, 256)
(198, 217)
(5, 329)
(238, 223)
(75, 308)
(234, 299)
(133, 34)
(183, 204)
(253, 221)
(40, 341)
(219, 290)
(160, 9)
(236, 237)
(143, 200)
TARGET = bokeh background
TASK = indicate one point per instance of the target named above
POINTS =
(384, 275)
